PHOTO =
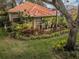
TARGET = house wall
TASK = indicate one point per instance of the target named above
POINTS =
(36, 23)
(12, 16)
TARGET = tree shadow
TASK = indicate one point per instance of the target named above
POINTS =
(62, 54)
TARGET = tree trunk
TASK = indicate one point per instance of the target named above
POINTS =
(73, 29)
(71, 39)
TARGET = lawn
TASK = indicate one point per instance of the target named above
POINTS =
(35, 49)
(3, 33)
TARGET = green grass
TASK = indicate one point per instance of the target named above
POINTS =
(35, 49)
(3, 33)
(49, 48)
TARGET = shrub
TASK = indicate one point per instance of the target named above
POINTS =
(3, 33)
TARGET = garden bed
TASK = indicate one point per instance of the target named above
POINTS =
(43, 36)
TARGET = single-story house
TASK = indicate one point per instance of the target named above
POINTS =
(32, 9)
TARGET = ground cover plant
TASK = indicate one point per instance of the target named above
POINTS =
(3, 33)
(50, 48)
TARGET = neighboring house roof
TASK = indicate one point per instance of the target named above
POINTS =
(56, 11)
(33, 9)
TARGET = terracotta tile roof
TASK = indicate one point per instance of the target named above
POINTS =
(33, 9)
